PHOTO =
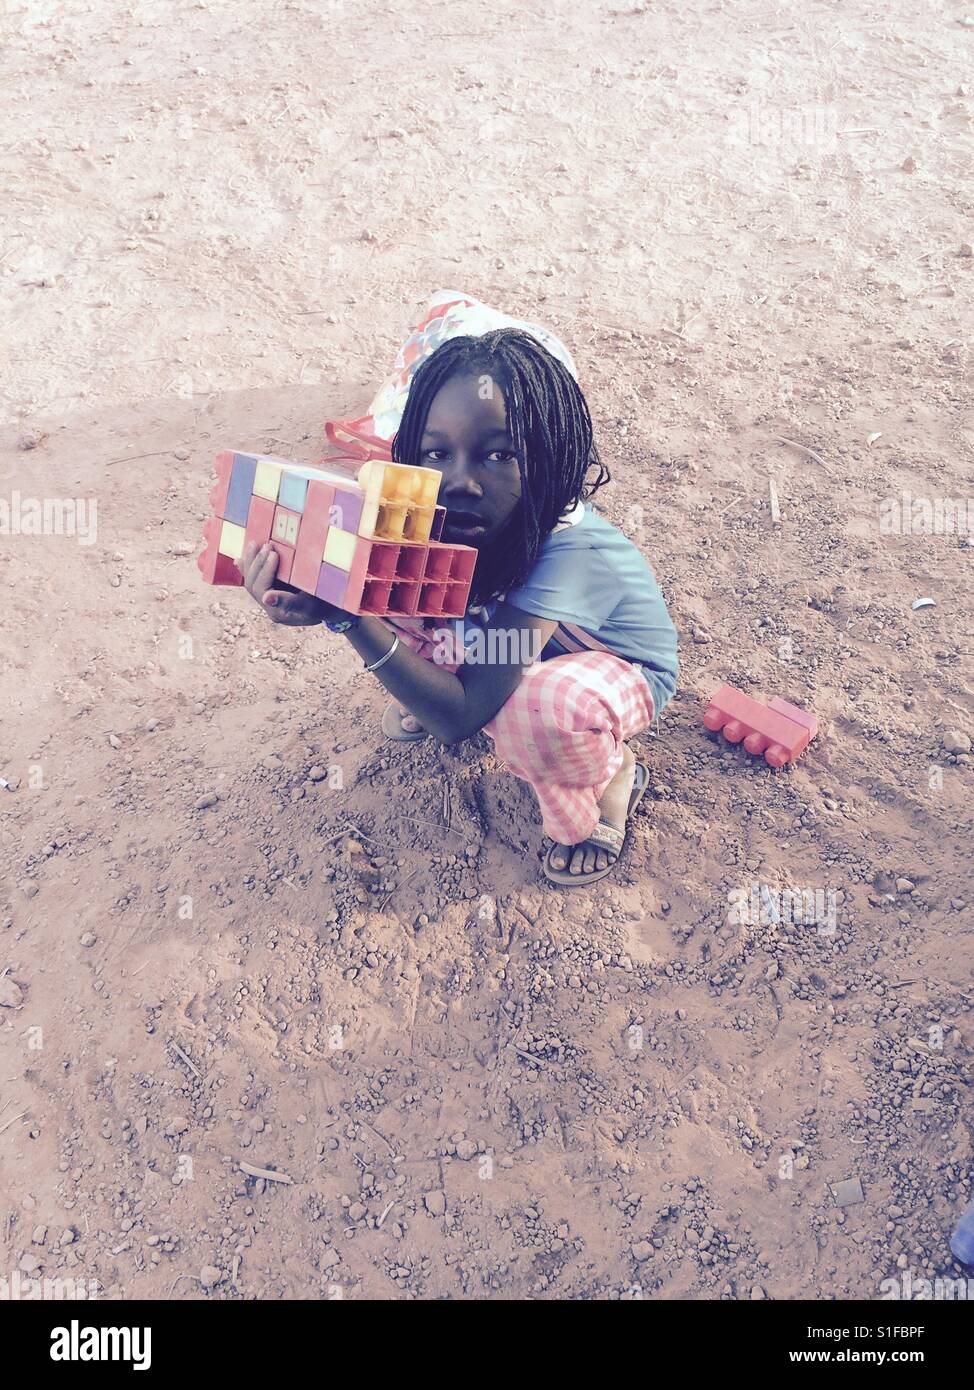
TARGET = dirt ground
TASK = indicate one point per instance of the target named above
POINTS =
(237, 927)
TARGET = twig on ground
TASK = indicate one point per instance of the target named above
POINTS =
(361, 832)
(802, 448)
(188, 1060)
(385, 900)
(340, 834)
(268, 1174)
(538, 1061)
(378, 1133)
(439, 824)
(773, 498)
(134, 458)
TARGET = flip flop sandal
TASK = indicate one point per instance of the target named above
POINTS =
(392, 727)
(604, 836)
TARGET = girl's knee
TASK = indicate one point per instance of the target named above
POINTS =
(554, 699)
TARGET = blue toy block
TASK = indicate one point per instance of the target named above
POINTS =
(241, 489)
(294, 489)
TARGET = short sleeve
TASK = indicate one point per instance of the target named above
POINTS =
(569, 584)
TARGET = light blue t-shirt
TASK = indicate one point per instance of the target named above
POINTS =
(589, 576)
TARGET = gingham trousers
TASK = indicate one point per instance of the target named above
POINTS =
(563, 731)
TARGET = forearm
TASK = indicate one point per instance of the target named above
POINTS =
(432, 694)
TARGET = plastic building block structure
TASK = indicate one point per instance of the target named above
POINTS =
(779, 730)
(368, 543)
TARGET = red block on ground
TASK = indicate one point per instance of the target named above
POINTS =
(772, 733)
(800, 716)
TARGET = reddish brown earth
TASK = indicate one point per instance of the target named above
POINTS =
(748, 225)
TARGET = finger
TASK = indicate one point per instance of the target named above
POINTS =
(286, 607)
(262, 572)
(247, 561)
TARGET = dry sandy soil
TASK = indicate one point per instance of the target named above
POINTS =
(236, 926)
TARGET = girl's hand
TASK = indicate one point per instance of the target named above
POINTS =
(281, 602)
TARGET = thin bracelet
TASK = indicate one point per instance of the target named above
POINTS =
(383, 659)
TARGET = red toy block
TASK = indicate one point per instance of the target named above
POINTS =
(800, 716)
(411, 561)
(285, 562)
(439, 562)
(398, 577)
(218, 569)
(315, 520)
(371, 574)
(317, 506)
(403, 598)
(214, 567)
(223, 467)
(375, 597)
(439, 600)
(260, 520)
(772, 732)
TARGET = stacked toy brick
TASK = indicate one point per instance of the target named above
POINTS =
(368, 544)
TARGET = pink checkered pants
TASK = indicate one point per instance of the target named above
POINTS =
(563, 731)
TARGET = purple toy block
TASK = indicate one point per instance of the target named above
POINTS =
(241, 489)
(347, 510)
(331, 584)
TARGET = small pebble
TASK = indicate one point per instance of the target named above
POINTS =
(435, 1203)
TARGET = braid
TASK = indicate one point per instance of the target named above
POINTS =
(551, 432)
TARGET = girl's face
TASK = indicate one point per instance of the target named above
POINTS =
(467, 439)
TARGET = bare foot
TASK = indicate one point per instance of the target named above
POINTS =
(585, 857)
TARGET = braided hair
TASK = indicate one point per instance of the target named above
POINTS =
(551, 433)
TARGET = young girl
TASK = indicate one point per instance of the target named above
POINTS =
(508, 427)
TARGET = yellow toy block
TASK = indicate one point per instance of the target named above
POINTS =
(286, 527)
(369, 519)
(231, 541)
(419, 524)
(390, 523)
(395, 482)
(267, 479)
(339, 548)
